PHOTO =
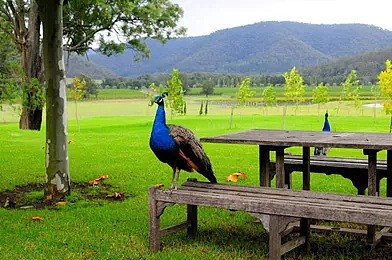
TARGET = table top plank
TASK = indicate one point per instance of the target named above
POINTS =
(285, 138)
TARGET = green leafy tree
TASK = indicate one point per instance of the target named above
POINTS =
(132, 21)
(385, 82)
(10, 70)
(201, 108)
(207, 87)
(243, 94)
(320, 96)
(156, 90)
(350, 90)
(113, 25)
(355, 97)
(176, 93)
(294, 88)
(269, 96)
(184, 109)
(23, 23)
(294, 91)
(78, 91)
(375, 90)
(90, 88)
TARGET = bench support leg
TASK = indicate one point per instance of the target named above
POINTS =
(192, 220)
(305, 232)
(278, 227)
(275, 239)
(154, 223)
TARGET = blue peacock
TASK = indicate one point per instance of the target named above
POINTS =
(326, 128)
(178, 146)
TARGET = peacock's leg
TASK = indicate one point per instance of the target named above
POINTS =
(176, 174)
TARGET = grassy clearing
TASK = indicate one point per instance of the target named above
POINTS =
(113, 140)
(119, 93)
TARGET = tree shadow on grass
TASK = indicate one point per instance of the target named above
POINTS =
(31, 195)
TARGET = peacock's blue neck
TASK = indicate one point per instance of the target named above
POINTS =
(160, 116)
(161, 140)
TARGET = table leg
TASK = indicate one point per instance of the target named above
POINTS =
(280, 168)
(305, 223)
(389, 173)
(372, 173)
(372, 190)
(306, 168)
(264, 164)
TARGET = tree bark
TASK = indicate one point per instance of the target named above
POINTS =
(57, 169)
(31, 116)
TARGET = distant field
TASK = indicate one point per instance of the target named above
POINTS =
(139, 106)
(229, 93)
(334, 92)
(119, 93)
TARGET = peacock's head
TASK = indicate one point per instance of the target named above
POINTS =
(159, 98)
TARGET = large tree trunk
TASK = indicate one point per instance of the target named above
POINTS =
(57, 170)
(31, 116)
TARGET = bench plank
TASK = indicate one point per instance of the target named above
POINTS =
(287, 193)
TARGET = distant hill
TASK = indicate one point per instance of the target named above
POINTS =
(260, 48)
(76, 65)
(367, 65)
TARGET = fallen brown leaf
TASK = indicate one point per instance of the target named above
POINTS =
(61, 203)
(98, 180)
(235, 176)
(159, 185)
(37, 218)
(116, 195)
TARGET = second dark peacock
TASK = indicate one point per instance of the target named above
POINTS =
(178, 146)
(326, 128)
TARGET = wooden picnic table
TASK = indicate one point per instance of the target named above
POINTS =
(278, 140)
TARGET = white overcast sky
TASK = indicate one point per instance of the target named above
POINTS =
(203, 17)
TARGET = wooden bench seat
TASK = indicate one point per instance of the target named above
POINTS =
(351, 168)
(282, 206)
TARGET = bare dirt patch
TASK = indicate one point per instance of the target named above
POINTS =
(30, 195)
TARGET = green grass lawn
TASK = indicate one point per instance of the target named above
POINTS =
(113, 141)
(119, 93)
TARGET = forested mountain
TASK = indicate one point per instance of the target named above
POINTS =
(76, 65)
(260, 48)
(367, 65)
(266, 47)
